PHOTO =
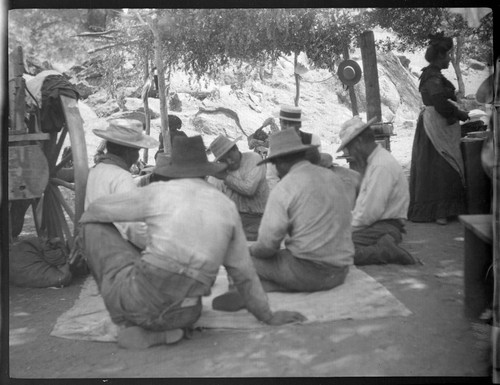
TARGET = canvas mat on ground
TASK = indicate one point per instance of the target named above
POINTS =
(360, 297)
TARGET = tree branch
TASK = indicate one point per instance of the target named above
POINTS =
(113, 45)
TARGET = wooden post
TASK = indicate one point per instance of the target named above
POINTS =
(297, 80)
(369, 56)
(16, 91)
(495, 337)
(146, 107)
(352, 92)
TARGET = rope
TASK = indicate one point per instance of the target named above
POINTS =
(315, 81)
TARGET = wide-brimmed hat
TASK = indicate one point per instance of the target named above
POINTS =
(127, 132)
(349, 72)
(221, 145)
(352, 128)
(188, 160)
(291, 113)
(283, 143)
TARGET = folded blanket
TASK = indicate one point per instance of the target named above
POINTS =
(360, 297)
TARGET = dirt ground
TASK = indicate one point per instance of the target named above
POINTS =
(436, 340)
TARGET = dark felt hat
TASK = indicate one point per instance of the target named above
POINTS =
(349, 72)
(188, 160)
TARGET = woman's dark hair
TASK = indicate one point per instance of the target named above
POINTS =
(174, 122)
(438, 45)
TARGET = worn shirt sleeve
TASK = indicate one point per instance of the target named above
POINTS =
(372, 198)
(274, 225)
(248, 179)
(120, 207)
(238, 264)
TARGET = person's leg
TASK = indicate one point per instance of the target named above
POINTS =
(111, 260)
(377, 244)
(251, 223)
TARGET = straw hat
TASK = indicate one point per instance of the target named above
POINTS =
(291, 113)
(127, 132)
(285, 142)
(352, 128)
(349, 72)
(221, 145)
(188, 160)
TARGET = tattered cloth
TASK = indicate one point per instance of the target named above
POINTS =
(52, 113)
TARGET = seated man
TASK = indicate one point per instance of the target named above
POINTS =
(174, 126)
(193, 229)
(291, 118)
(381, 206)
(308, 210)
(111, 174)
(243, 181)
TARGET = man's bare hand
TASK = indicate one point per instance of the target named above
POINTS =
(285, 317)
(221, 175)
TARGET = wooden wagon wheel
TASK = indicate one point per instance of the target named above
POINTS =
(62, 203)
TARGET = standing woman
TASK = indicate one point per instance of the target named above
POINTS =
(437, 179)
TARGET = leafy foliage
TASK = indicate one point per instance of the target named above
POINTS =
(47, 35)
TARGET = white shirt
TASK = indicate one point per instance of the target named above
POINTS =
(106, 179)
(384, 192)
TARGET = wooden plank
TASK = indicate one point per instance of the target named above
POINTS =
(24, 137)
(28, 172)
(480, 225)
(369, 57)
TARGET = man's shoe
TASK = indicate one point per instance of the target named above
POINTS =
(442, 221)
(394, 253)
(230, 301)
(135, 337)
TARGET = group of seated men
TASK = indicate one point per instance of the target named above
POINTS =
(155, 250)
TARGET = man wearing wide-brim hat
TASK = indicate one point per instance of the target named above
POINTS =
(381, 206)
(290, 117)
(243, 181)
(111, 174)
(193, 229)
(308, 210)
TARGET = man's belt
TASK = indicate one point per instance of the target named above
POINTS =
(173, 266)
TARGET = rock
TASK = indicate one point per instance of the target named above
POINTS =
(137, 115)
(84, 89)
(106, 109)
(405, 62)
(476, 65)
(175, 103)
(134, 104)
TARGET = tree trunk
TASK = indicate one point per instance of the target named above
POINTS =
(455, 60)
(147, 118)
(161, 91)
(297, 81)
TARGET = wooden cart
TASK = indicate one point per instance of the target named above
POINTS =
(37, 175)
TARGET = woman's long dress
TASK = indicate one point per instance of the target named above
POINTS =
(436, 173)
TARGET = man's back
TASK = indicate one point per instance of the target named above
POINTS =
(384, 190)
(314, 210)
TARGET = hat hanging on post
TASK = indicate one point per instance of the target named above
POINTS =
(349, 72)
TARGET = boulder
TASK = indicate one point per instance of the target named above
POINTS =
(84, 89)
(476, 65)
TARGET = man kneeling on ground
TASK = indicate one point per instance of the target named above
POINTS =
(309, 210)
(381, 206)
(193, 229)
